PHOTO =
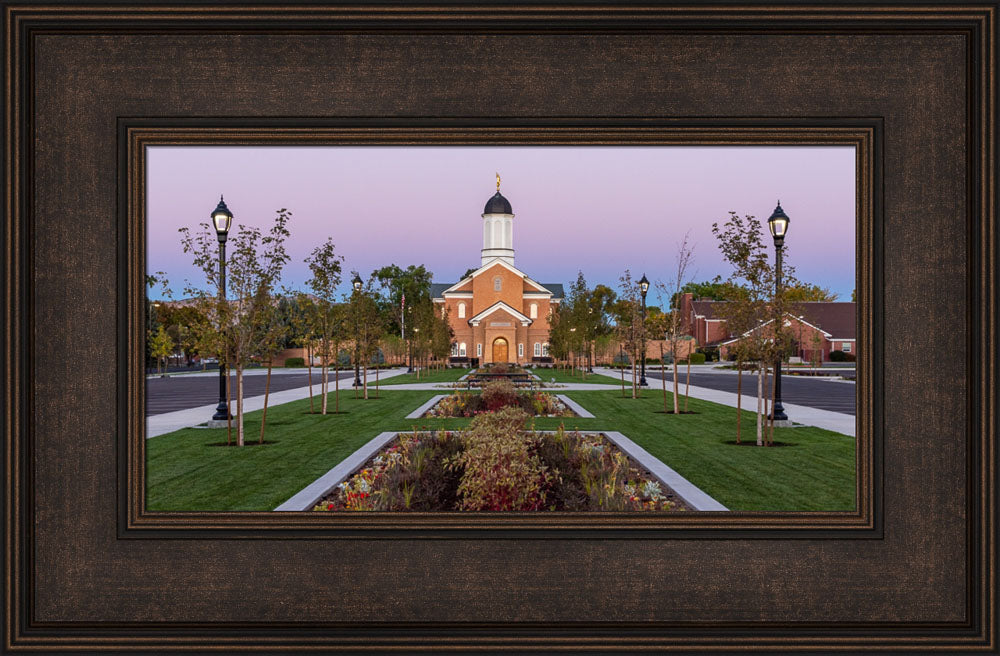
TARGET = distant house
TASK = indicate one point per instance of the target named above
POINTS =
(815, 326)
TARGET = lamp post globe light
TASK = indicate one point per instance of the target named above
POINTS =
(222, 219)
(778, 225)
(357, 282)
(643, 288)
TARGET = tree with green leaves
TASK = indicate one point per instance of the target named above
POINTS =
(392, 284)
(254, 269)
(367, 324)
(804, 292)
(754, 311)
(161, 345)
(325, 318)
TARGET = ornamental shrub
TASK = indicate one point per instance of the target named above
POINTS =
(697, 358)
(295, 362)
(838, 356)
(502, 470)
(499, 394)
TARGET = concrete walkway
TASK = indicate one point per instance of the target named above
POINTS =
(800, 414)
(169, 422)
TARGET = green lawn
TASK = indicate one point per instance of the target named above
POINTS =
(564, 376)
(186, 471)
(428, 376)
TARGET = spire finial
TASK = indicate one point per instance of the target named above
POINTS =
(498, 182)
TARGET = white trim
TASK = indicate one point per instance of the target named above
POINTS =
(537, 294)
(504, 264)
(456, 295)
(499, 305)
(828, 336)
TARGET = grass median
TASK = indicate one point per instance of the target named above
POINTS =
(814, 470)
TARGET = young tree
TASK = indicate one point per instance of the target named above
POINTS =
(253, 272)
(325, 317)
(274, 329)
(630, 326)
(675, 323)
(367, 325)
(755, 311)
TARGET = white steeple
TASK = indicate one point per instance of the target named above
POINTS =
(498, 229)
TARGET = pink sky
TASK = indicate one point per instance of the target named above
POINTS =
(595, 209)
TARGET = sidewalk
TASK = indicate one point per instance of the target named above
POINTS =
(169, 422)
(800, 414)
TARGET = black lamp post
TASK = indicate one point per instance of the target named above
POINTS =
(357, 335)
(222, 219)
(643, 287)
(778, 224)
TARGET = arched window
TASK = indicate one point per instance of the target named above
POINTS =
(538, 350)
(454, 349)
(520, 350)
(496, 284)
(461, 310)
(479, 350)
(534, 311)
(545, 350)
(461, 350)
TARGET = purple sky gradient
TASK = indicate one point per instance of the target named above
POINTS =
(595, 209)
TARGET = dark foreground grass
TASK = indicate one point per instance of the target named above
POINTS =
(815, 471)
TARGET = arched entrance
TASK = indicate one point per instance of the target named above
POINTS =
(500, 350)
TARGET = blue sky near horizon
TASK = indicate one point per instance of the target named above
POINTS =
(596, 209)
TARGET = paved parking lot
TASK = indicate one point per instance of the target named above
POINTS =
(193, 390)
(835, 396)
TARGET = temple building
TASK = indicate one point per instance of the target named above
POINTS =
(498, 313)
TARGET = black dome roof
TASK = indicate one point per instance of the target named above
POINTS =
(498, 205)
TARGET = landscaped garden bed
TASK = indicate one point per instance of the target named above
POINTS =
(498, 465)
(496, 395)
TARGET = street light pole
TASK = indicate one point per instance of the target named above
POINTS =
(778, 224)
(357, 334)
(222, 218)
(643, 287)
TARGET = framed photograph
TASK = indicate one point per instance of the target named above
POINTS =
(327, 327)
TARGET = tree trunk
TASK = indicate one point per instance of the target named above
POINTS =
(267, 391)
(760, 394)
(663, 379)
(677, 389)
(739, 397)
(376, 379)
(309, 361)
(767, 371)
(229, 403)
(364, 383)
(336, 386)
(635, 390)
(687, 383)
(623, 376)
(325, 384)
(239, 406)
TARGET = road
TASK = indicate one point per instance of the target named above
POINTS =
(836, 396)
(194, 390)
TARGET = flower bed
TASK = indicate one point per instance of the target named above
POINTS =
(496, 465)
(470, 404)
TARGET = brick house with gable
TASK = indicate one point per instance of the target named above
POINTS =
(816, 326)
(498, 313)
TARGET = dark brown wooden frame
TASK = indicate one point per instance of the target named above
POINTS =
(86, 87)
